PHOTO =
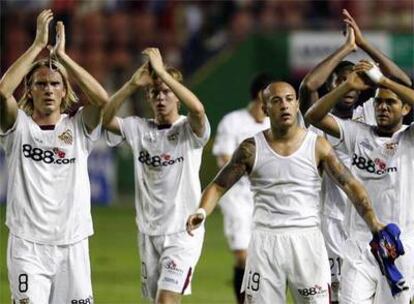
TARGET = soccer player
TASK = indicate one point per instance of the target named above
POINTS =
(381, 156)
(237, 204)
(167, 154)
(283, 163)
(331, 72)
(48, 194)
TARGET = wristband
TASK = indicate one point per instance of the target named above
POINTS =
(374, 74)
(202, 211)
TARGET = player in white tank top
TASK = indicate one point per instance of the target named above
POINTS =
(48, 195)
(167, 155)
(330, 73)
(382, 159)
(237, 204)
(287, 247)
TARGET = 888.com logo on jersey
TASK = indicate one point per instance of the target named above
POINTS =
(157, 161)
(54, 156)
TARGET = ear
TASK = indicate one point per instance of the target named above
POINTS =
(406, 108)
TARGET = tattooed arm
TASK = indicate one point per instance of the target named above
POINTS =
(353, 188)
(240, 163)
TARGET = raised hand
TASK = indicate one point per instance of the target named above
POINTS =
(42, 28)
(370, 69)
(358, 81)
(359, 38)
(59, 48)
(142, 77)
(350, 39)
(194, 221)
(155, 59)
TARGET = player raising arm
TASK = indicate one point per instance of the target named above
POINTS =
(48, 200)
(382, 159)
(285, 180)
(167, 155)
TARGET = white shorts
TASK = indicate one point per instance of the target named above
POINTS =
(237, 209)
(296, 257)
(335, 236)
(168, 261)
(362, 281)
(40, 274)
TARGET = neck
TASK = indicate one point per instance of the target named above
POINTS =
(387, 132)
(284, 133)
(343, 114)
(255, 110)
(46, 119)
(166, 119)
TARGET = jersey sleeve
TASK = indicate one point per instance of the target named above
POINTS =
(225, 141)
(7, 138)
(113, 139)
(93, 135)
(203, 139)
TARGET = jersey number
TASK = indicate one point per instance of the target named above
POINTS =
(23, 282)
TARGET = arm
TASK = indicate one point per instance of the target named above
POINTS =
(140, 79)
(15, 74)
(196, 112)
(374, 73)
(308, 91)
(386, 64)
(96, 94)
(348, 183)
(222, 159)
(241, 163)
(318, 116)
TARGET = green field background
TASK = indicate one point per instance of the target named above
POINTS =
(115, 261)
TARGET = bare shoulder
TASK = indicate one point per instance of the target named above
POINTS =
(323, 149)
(245, 153)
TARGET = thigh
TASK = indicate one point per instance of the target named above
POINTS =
(335, 236)
(360, 275)
(179, 258)
(28, 271)
(72, 283)
(264, 279)
(308, 267)
(150, 269)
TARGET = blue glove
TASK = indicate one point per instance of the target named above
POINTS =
(386, 246)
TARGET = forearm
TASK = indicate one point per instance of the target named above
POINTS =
(318, 76)
(405, 93)
(188, 98)
(386, 64)
(323, 106)
(89, 85)
(15, 74)
(116, 101)
(211, 196)
(359, 198)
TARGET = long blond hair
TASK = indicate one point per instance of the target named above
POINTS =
(26, 102)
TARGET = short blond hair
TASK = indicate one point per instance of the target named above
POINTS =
(26, 102)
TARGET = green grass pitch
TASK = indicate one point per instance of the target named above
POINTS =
(115, 262)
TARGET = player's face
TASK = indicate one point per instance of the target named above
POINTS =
(281, 104)
(389, 109)
(163, 101)
(348, 101)
(47, 91)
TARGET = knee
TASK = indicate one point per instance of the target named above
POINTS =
(167, 297)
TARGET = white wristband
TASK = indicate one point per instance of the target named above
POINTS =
(374, 74)
(202, 211)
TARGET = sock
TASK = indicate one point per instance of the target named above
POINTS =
(237, 283)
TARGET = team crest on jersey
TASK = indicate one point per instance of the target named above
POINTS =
(66, 137)
(390, 148)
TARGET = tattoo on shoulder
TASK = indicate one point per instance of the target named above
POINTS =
(240, 163)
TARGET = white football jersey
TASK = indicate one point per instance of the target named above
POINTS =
(167, 163)
(48, 194)
(286, 188)
(365, 113)
(231, 131)
(385, 166)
